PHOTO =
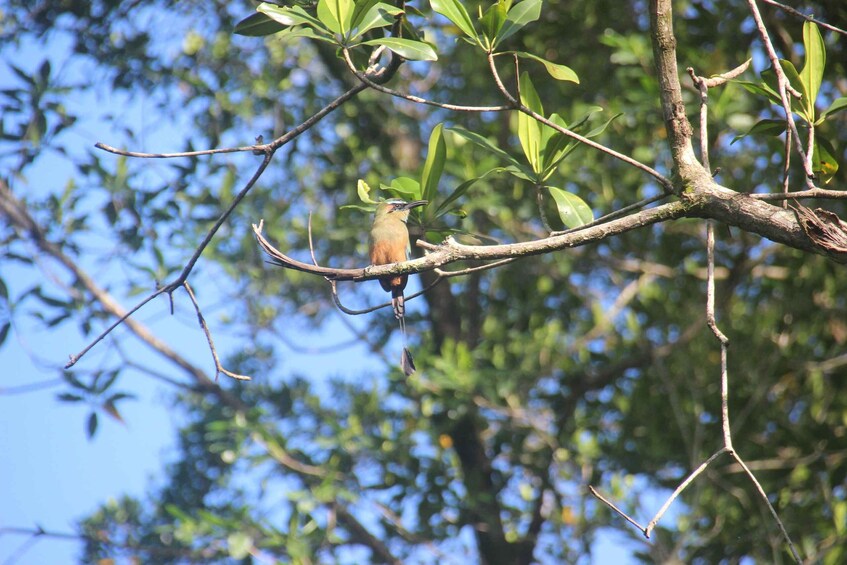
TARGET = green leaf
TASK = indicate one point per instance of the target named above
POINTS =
(364, 192)
(458, 192)
(406, 48)
(291, 16)
(483, 142)
(69, 397)
(557, 146)
(456, 13)
(493, 19)
(434, 166)
(762, 89)
(307, 32)
(336, 15)
(403, 187)
(768, 127)
(824, 163)
(529, 129)
(797, 106)
(257, 25)
(838, 105)
(812, 74)
(378, 15)
(558, 72)
(520, 15)
(573, 211)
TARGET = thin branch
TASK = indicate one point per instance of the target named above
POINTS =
(764, 497)
(268, 150)
(124, 317)
(451, 251)
(710, 287)
(366, 81)
(258, 148)
(798, 14)
(783, 86)
(516, 104)
(351, 312)
(682, 486)
(616, 214)
(469, 270)
(219, 368)
(786, 171)
(612, 505)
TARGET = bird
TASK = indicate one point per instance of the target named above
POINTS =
(389, 243)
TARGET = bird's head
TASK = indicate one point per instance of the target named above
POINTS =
(396, 208)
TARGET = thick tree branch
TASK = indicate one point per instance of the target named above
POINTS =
(685, 163)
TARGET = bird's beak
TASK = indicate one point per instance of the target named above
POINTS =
(414, 204)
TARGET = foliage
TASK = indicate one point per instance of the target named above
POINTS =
(587, 366)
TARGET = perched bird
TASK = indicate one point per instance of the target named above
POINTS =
(389, 243)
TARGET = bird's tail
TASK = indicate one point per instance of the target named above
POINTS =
(398, 303)
(407, 363)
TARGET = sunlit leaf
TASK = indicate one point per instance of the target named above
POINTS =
(493, 18)
(291, 16)
(403, 187)
(407, 48)
(558, 72)
(529, 129)
(521, 14)
(336, 15)
(812, 74)
(824, 163)
(364, 192)
(573, 210)
(258, 24)
(434, 166)
(456, 13)
(378, 15)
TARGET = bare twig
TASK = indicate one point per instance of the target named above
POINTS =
(142, 155)
(219, 368)
(469, 270)
(268, 150)
(682, 486)
(351, 312)
(710, 286)
(799, 14)
(258, 148)
(612, 505)
(771, 509)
